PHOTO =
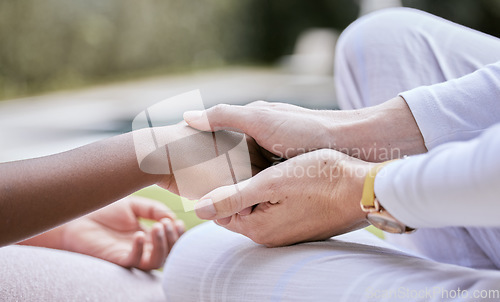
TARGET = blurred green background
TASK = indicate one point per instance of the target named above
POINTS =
(59, 44)
(54, 44)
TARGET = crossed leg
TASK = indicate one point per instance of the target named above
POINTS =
(210, 263)
(379, 56)
(395, 50)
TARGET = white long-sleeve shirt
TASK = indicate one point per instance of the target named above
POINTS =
(457, 183)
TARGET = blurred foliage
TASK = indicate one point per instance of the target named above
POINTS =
(55, 44)
(52, 43)
(483, 15)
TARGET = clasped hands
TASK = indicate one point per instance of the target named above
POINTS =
(314, 193)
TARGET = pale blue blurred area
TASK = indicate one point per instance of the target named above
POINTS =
(56, 122)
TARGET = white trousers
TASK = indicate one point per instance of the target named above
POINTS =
(378, 56)
(396, 50)
(210, 263)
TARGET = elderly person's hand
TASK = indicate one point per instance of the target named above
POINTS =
(374, 134)
(194, 162)
(312, 196)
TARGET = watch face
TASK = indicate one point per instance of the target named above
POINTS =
(386, 223)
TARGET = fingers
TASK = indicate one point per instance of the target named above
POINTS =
(159, 249)
(276, 105)
(224, 221)
(228, 200)
(162, 235)
(133, 259)
(171, 233)
(230, 117)
(245, 211)
(162, 238)
(181, 228)
(150, 209)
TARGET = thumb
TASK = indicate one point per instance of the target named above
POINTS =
(221, 117)
(229, 200)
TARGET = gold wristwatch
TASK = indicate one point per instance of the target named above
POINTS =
(376, 214)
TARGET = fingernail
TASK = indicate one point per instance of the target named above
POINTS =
(140, 237)
(205, 209)
(159, 231)
(180, 225)
(168, 224)
(224, 221)
(170, 228)
(191, 116)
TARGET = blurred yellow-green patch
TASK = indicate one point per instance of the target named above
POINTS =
(173, 202)
(375, 231)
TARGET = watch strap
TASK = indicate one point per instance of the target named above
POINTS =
(368, 197)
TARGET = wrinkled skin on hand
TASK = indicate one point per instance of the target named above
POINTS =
(310, 197)
(202, 161)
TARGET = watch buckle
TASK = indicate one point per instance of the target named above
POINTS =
(371, 208)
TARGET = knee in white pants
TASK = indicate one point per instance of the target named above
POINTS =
(381, 28)
(373, 49)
